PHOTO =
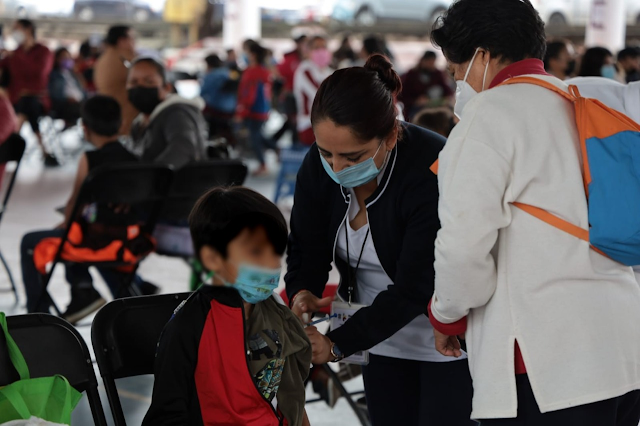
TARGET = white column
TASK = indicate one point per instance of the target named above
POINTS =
(607, 25)
(242, 20)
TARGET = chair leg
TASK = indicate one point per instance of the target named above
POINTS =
(114, 401)
(97, 411)
(10, 275)
(364, 421)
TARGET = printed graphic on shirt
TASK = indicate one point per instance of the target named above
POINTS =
(269, 377)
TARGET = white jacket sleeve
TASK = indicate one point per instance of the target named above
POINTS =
(473, 180)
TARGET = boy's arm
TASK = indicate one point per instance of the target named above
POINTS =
(81, 175)
(174, 391)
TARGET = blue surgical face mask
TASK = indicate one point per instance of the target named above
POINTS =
(608, 71)
(255, 284)
(356, 175)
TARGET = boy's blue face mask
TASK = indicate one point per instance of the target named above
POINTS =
(255, 284)
(356, 175)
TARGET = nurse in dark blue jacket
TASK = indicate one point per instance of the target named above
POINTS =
(366, 200)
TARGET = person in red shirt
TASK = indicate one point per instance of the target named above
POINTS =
(29, 67)
(425, 85)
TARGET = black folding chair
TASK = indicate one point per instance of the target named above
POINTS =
(125, 336)
(191, 182)
(51, 346)
(140, 188)
(11, 150)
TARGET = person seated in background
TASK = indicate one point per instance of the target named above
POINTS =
(629, 63)
(101, 121)
(232, 322)
(220, 93)
(170, 129)
(425, 85)
(308, 78)
(559, 61)
(439, 120)
(28, 69)
(232, 60)
(65, 88)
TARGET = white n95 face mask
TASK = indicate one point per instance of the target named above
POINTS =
(464, 91)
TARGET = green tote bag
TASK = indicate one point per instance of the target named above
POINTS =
(48, 398)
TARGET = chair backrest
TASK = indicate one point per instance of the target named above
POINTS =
(193, 180)
(125, 333)
(51, 346)
(11, 150)
(125, 336)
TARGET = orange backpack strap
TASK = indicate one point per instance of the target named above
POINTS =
(434, 167)
(554, 221)
(572, 97)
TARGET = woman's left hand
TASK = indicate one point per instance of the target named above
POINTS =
(320, 345)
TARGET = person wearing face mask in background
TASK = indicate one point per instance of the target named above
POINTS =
(598, 62)
(65, 89)
(27, 69)
(551, 325)
(425, 86)
(308, 77)
(110, 71)
(558, 60)
(365, 198)
(170, 129)
(233, 353)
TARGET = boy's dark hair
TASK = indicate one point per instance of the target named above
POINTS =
(115, 33)
(221, 214)
(102, 115)
(509, 29)
(153, 62)
(629, 52)
(28, 24)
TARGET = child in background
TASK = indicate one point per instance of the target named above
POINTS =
(233, 354)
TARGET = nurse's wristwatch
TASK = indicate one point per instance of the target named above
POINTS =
(336, 353)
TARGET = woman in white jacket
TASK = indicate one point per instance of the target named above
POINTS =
(551, 326)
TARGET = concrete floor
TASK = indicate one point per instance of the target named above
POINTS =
(37, 193)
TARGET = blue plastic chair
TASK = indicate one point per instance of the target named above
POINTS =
(291, 161)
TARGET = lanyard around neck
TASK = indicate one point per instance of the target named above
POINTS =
(351, 275)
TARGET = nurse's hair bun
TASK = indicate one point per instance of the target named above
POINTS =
(384, 68)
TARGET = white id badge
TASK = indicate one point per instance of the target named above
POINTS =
(343, 311)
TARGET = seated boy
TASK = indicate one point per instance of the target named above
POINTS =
(101, 119)
(233, 354)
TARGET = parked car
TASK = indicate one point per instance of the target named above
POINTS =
(367, 13)
(576, 12)
(87, 10)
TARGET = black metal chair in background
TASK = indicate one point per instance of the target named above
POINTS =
(140, 189)
(189, 184)
(125, 335)
(51, 346)
(11, 151)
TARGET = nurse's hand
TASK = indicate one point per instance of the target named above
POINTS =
(320, 345)
(305, 304)
(447, 345)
